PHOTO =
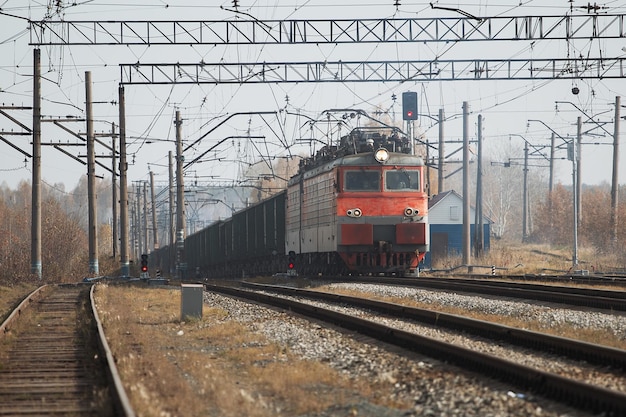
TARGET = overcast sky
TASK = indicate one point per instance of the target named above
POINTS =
(506, 106)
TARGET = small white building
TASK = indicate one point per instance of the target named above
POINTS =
(445, 216)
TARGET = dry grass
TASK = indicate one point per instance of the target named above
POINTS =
(12, 295)
(515, 258)
(211, 366)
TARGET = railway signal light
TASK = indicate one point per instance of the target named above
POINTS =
(144, 263)
(409, 105)
(291, 265)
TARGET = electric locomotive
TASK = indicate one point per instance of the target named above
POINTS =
(359, 207)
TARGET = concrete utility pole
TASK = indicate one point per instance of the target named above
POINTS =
(579, 179)
(525, 196)
(124, 261)
(155, 237)
(35, 266)
(551, 180)
(146, 245)
(410, 130)
(615, 176)
(552, 153)
(466, 183)
(137, 222)
(575, 169)
(114, 191)
(478, 221)
(442, 156)
(91, 181)
(427, 167)
(180, 200)
(134, 240)
(172, 224)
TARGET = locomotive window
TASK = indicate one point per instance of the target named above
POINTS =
(402, 180)
(362, 181)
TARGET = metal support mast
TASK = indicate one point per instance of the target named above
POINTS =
(114, 199)
(442, 156)
(466, 188)
(138, 221)
(35, 267)
(575, 168)
(124, 247)
(172, 223)
(615, 176)
(525, 196)
(180, 201)
(551, 180)
(91, 181)
(478, 222)
(155, 234)
(579, 176)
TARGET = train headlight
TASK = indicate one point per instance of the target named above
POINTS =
(355, 212)
(381, 155)
(411, 212)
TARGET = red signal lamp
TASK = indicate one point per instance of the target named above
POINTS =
(291, 264)
(409, 105)
(144, 262)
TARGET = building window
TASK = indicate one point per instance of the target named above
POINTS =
(454, 213)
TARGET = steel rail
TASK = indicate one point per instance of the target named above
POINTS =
(574, 393)
(12, 318)
(121, 403)
(593, 292)
(585, 297)
(571, 348)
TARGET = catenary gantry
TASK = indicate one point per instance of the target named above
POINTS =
(372, 71)
(333, 31)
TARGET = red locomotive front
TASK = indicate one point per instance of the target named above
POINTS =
(364, 212)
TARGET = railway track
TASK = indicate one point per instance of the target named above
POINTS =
(53, 359)
(573, 349)
(574, 392)
(612, 300)
(612, 280)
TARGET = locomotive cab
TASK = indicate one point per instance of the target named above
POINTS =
(381, 215)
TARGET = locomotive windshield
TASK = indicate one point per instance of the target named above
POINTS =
(362, 181)
(402, 180)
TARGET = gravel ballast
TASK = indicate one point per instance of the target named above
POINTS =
(432, 387)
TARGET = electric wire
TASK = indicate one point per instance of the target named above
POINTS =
(360, 99)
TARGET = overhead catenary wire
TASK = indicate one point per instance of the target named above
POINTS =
(358, 97)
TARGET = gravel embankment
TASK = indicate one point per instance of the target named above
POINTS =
(434, 388)
(548, 316)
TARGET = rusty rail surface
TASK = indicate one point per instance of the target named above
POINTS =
(50, 361)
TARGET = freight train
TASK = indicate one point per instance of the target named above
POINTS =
(360, 207)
